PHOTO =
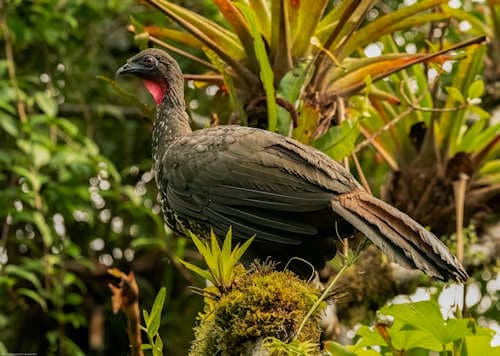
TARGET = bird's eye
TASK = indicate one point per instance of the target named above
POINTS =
(149, 60)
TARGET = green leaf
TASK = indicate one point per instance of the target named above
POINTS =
(476, 89)
(25, 274)
(336, 349)
(482, 114)
(241, 250)
(46, 103)
(427, 316)
(8, 124)
(339, 141)
(34, 296)
(41, 155)
(266, 73)
(44, 229)
(158, 347)
(480, 345)
(201, 272)
(154, 320)
(369, 337)
(226, 247)
(455, 94)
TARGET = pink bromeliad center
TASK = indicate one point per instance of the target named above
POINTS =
(157, 90)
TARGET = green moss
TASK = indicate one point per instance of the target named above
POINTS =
(261, 304)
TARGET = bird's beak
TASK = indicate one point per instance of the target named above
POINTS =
(130, 68)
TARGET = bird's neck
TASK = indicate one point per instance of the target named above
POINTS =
(172, 120)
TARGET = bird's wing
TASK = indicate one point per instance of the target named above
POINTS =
(255, 181)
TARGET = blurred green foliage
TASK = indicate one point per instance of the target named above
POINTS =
(77, 193)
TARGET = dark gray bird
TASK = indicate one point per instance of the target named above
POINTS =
(295, 199)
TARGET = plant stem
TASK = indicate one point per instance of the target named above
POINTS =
(323, 296)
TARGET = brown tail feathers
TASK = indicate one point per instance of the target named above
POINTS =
(399, 236)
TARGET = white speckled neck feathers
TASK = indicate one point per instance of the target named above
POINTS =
(172, 120)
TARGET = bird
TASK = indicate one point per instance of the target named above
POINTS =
(294, 199)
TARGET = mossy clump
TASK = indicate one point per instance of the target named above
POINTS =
(261, 304)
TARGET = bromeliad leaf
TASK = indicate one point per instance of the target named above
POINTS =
(221, 262)
(266, 73)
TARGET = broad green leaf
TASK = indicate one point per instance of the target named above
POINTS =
(46, 103)
(290, 89)
(476, 89)
(155, 316)
(426, 316)
(338, 142)
(266, 73)
(410, 339)
(479, 345)
(34, 296)
(336, 349)
(368, 337)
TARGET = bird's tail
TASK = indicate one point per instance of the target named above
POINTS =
(400, 237)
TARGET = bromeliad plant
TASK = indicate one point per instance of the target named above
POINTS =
(296, 57)
(221, 262)
(440, 145)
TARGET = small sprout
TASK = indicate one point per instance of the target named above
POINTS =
(221, 263)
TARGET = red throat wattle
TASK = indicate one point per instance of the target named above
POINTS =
(157, 90)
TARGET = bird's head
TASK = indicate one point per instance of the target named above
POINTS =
(159, 72)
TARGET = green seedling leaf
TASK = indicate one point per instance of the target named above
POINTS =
(476, 89)
(155, 317)
(455, 94)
